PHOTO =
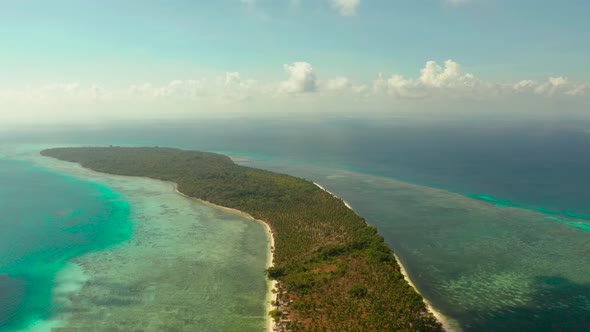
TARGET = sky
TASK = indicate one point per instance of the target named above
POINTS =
(98, 60)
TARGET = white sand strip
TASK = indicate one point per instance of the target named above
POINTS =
(448, 324)
(273, 283)
(331, 193)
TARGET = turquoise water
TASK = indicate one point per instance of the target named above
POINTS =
(582, 224)
(91, 251)
(46, 219)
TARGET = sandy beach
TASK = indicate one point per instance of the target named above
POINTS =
(331, 193)
(271, 296)
(448, 324)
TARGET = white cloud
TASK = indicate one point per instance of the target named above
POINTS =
(302, 78)
(553, 86)
(434, 82)
(64, 89)
(229, 87)
(174, 89)
(452, 75)
(338, 84)
(579, 90)
(397, 86)
(450, 80)
(54, 92)
(346, 7)
(235, 88)
(233, 80)
(341, 85)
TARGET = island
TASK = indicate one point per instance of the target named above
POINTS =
(332, 270)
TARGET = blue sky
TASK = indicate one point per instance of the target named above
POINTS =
(114, 45)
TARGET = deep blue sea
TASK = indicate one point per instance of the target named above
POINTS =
(542, 164)
(47, 218)
(485, 265)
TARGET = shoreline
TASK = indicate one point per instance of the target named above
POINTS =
(270, 295)
(331, 193)
(448, 324)
(272, 284)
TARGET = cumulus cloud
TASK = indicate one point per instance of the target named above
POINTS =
(229, 87)
(234, 80)
(236, 88)
(346, 7)
(450, 80)
(54, 92)
(341, 85)
(451, 76)
(397, 86)
(302, 78)
(554, 85)
(173, 89)
(337, 84)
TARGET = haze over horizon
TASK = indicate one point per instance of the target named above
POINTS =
(84, 62)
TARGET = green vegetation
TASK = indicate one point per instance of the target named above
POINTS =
(275, 272)
(335, 273)
(276, 314)
(358, 290)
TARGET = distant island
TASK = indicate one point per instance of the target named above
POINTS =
(333, 271)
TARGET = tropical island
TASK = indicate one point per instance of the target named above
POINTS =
(333, 271)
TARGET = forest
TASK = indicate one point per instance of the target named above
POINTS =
(334, 271)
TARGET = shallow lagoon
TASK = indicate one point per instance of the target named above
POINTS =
(47, 219)
(186, 266)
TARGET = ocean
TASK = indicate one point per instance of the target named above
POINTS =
(490, 218)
